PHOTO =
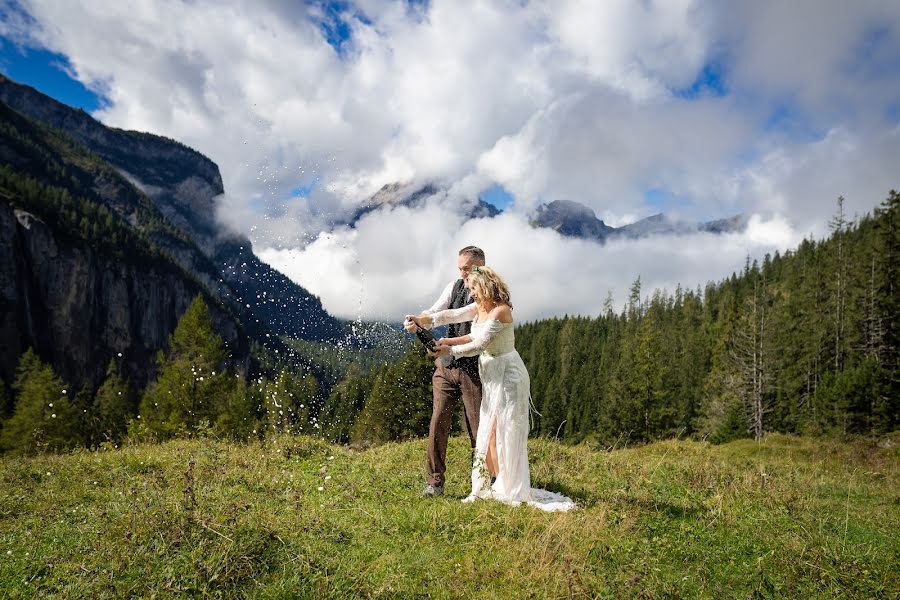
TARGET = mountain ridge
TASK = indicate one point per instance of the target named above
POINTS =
(573, 219)
(183, 184)
(567, 217)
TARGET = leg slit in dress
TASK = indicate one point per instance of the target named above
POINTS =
(491, 459)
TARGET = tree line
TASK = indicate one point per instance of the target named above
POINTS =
(805, 342)
(196, 392)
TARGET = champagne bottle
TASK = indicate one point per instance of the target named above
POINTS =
(426, 337)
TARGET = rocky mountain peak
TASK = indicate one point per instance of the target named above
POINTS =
(571, 219)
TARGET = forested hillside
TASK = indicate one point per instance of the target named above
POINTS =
(804, 342)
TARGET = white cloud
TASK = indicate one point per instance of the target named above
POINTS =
(588, 101)
(397, 262)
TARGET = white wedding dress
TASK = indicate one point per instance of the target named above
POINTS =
(505, 400)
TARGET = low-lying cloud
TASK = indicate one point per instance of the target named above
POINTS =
(398, 261)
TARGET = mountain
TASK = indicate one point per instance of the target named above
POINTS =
(183, 185)
(89, 270)
(108, 235)
(566, 217)
(414, 196)
(573, 219)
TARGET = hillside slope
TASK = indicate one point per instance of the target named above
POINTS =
(295, 517)
(184, 185)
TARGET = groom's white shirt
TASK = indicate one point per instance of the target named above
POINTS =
(443, 301)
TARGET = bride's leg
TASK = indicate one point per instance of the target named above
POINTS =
(491, 458)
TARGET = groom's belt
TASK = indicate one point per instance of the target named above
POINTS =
(467, 363)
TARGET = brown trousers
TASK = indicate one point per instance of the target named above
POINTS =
(449, 385)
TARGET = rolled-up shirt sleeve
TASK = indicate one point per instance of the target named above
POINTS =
(443, 301)
(481, 339)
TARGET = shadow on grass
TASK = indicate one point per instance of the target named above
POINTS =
(669, 509)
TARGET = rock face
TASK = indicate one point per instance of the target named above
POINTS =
(572, 219)
(412, 196)
(183, 185)
(108, 235)
(79, 308)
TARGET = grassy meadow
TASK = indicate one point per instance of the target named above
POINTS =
(296, 517)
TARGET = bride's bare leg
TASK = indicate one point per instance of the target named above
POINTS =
(491, 458)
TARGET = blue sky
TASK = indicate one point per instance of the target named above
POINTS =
(48, 72)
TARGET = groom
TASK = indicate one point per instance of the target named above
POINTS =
(453, 377)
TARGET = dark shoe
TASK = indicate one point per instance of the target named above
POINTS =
(493, 479)
(433, 491)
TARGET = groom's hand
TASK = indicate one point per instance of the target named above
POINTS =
(409, 323)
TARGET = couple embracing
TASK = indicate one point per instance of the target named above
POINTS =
(478, 362)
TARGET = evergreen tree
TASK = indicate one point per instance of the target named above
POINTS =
(399, 405)
(888, 250)
(113, 407)
(290, 403)
(194, 386)
(44, 417)
(346, 401)
(237, 419)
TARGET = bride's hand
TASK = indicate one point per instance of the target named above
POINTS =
(439, 350)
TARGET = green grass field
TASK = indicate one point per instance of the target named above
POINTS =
(295, 517)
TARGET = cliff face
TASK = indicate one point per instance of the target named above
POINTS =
(80, 308)
(183, 186)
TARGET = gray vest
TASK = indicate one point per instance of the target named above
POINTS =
(459, 298)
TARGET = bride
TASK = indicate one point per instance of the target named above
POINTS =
(501, 469)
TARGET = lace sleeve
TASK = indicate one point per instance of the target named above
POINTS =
(480, 340)
(454, 315)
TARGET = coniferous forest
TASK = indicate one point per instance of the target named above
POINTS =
(805, 342)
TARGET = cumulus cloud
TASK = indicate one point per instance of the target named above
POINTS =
(397, 261)
(767, 108)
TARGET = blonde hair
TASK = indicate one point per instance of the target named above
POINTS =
(485, 282)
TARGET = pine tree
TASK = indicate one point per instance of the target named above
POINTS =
(886, 409)
(194, 386)
(345, 402)
(291, 403)
(399, 405)
(237, 419)
(838, 225)
(44, 416)
(113, 407)
(752, 357)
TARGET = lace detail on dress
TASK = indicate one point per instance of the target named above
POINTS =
(492, 337)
